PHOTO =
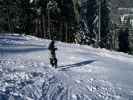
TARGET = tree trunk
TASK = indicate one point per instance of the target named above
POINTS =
(66, 32)
(44, 29)
(9, 20)
(60, 30)
(48, 30)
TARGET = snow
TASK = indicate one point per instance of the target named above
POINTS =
(83, 73)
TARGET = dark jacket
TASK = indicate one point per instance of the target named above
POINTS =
(52, 46)
(52, 49)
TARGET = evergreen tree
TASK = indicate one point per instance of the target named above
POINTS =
(91, 16)
(8, 15)
(105, 21)
(31, 16)
(123, 40)
(26, 16)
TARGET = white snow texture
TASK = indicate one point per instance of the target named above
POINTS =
(83, 73)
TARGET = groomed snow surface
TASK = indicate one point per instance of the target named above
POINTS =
(83, 73)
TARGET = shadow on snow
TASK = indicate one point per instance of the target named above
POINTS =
(21, 50)
(76, 64)
(13, 39)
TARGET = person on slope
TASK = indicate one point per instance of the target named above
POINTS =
(52, 49)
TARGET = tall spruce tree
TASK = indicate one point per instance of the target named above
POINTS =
(105, 21)
(123, 40)
(26, 15)
(7, 16)
(91, 16)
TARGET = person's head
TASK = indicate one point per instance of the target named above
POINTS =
(52, 41)
(53, 37)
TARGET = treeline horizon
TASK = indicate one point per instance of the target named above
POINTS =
(65, 20)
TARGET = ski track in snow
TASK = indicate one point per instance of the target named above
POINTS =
(25, 74)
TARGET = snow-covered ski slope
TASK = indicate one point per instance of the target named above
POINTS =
(83, 73)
